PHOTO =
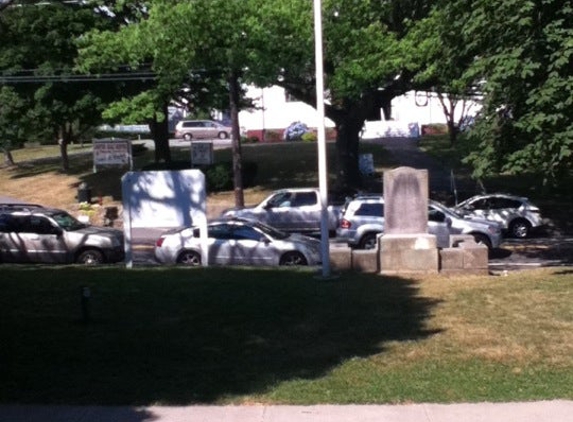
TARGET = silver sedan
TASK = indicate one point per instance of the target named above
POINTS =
(237, 242)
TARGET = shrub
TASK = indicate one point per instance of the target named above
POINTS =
(309, 137)
(295, 131)
(249, 139)
(272, 135)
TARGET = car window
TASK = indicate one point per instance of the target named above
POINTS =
(504, 203)
(480, 204)
(6, 223)
(246, 232)
(281, 199)
(20, 224)
(302, 199)
(67, 222)
(191, 124)
(40, 225)
(220, 231)
(373, 210)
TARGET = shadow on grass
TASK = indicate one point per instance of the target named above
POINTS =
(191, 336)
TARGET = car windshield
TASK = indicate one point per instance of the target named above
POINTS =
(448, 211)
(67, 222)
(270, 231)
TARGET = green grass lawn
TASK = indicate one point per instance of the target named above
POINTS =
(221, 335)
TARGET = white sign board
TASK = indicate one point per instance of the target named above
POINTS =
(163, 199)
(111, 152)
(201, 153)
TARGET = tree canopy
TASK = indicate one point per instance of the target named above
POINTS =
(37, 58)
(517, 54)
(526, 66)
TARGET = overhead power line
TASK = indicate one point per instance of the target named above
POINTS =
(108, 77)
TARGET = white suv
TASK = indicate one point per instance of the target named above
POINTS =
(201, 129)
(516, 214)
(362, 220)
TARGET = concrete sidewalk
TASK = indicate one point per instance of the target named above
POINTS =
(542, 411)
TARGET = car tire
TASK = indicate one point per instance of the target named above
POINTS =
(368, 241)
(519, 228)
(482, 239)
(189, 258)
(293, 258)
(90, 257)
(188, 137)
(223, 135)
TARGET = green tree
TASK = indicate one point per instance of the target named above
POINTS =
(12, 108)
(37, 56)
(443, 58)
(526, 63)
(365, 62)
(197, 53)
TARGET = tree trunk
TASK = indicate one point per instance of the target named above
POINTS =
(160, 134)
(8, 158)
(64, 140)
(234, 93)
(347, 149)
(452, 132)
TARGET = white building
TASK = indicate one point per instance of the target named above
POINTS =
(274, 110)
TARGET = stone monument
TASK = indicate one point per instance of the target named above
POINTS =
(406, 246)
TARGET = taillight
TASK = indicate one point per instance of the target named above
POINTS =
(345, 224)
(159, 242)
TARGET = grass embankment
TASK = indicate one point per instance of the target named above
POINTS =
(279, 165)
(179, 336)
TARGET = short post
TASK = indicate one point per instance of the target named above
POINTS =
(85, 300)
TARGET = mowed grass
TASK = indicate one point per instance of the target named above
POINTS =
(243, 336)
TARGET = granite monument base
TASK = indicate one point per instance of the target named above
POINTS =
(408, 254)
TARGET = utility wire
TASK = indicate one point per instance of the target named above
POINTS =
(109, 77)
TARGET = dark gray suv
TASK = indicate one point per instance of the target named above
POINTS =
(32, 233)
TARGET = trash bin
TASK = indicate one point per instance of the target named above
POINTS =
(84, 193)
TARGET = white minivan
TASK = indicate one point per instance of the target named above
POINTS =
(201, 129)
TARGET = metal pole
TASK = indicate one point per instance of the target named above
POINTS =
(322, 164)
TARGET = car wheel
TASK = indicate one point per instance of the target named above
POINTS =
(90, 257)
(293, 258)
(368, 241)
(519, 228)
(482, 239)
(223, 135)
(187, 136)
(190, 258)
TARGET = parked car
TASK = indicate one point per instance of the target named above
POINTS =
(483, 231)
(32, 233)
(236, 241)
(201, 129)
(516, 214)
(362, 220)
(295, 210)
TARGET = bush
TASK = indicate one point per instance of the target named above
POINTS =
(249, 139)
(309, 137)
(273, 135)
(295, 131)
